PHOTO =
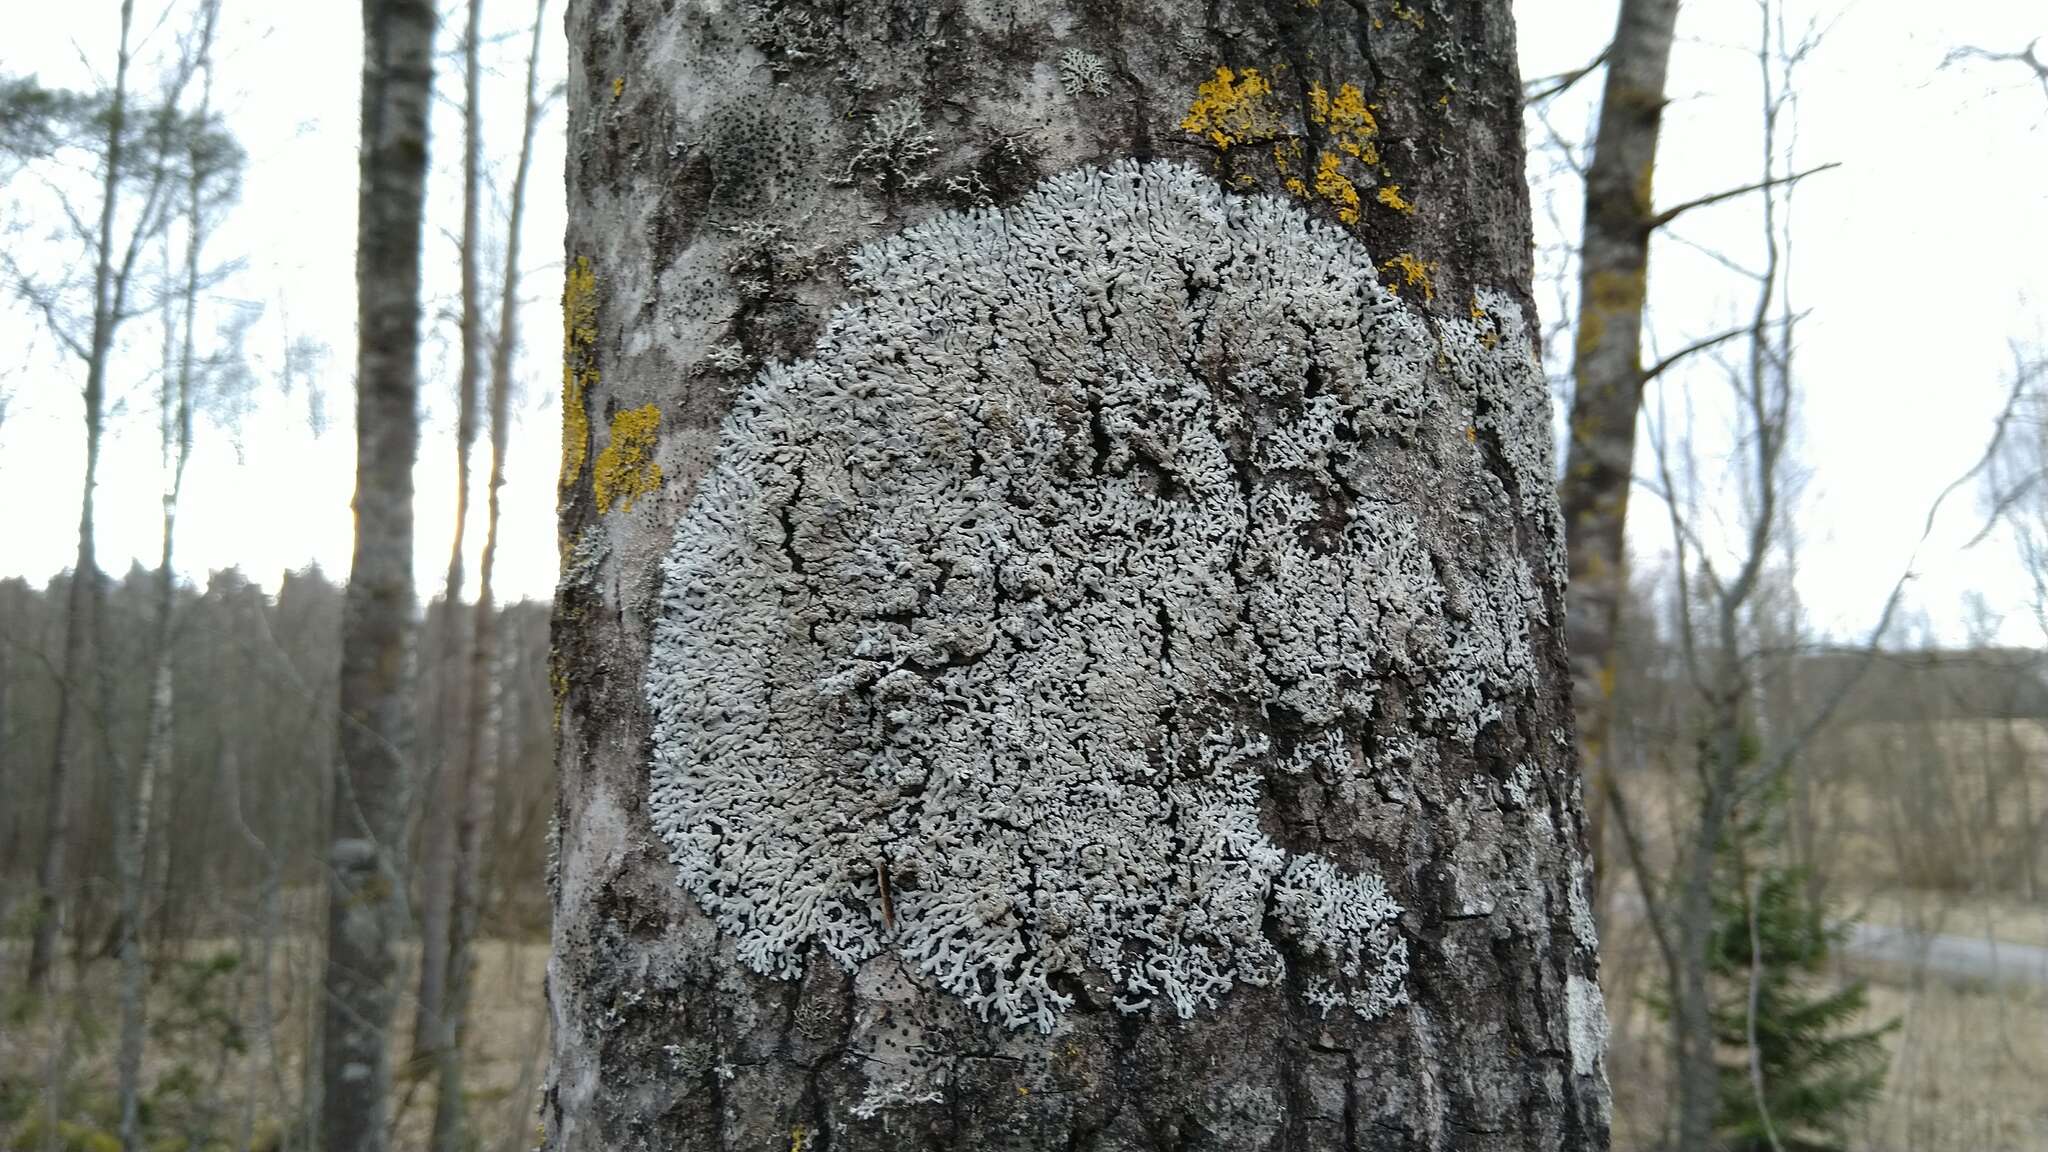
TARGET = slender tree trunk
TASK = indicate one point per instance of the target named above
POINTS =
(81, 615)
(11, 836)
(431, 1032)
(1607, 374)
(367, 821)
(1104, 686)
(479, 770)
(132, 828)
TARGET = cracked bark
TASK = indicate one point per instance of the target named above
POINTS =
(691, 125)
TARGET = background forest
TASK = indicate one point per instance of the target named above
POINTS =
(1814, 733)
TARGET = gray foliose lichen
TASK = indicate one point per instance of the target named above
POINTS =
(985, 634)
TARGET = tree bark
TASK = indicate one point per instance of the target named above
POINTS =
(1607, 373)
(367, 822)
(431, 1032)
(81, 621)
(479, 770)
(1105, 687)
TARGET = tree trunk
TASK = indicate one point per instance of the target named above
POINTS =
(479, 771)
(1103, 686)
(365, 873)
(132, 831)
(81, 611)
(431, 1032)
(1607, 372)
(11, 626)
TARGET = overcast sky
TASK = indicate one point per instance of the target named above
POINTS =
(1921, 259)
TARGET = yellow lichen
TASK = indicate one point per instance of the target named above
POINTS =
(1337, 188)
(1489, 337)
(1608, 294)
(1348, 120)
(626, 469)
(1390, 195)
(1232, 108)
(1411, 272)
(1408, 15)
(579, 371)
(618, 86)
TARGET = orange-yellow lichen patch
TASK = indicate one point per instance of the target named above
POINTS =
(579, 369)
(618, 87)
(1348, 120)
(1337, 188)
(626, 469)
(1390, 195)
(1410, 272)
(1233, 108)
(1608, 294)
(1407, 15)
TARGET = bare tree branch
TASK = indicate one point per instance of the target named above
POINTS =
(2029, 57)
(1659, 368)
(1675, 211)
(1544, 87)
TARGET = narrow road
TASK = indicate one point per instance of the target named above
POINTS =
(1966, 957)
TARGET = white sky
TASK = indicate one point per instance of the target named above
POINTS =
(267, 493)
(1920, 258)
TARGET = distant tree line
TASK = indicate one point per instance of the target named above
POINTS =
(242, 801)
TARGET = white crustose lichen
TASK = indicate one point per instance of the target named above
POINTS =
(992, 623)
(1083, 73)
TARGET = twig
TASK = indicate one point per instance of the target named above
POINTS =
(1677, 210)
(1544, 87)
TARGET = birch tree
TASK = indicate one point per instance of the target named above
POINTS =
(210, 165)
(1060, 635)
(444, 796)
(365, 877)
(479, 776)
(131, 150)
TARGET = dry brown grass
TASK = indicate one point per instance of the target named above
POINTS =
(1930, 827)
(1969, 1069)
(504, 1054)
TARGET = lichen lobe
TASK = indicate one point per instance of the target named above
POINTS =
(975, 639)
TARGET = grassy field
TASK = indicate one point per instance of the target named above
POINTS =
(214, 1078)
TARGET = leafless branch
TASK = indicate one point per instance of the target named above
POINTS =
(1791, 748)
(1677, 210)
(1638, 861)
(2029, 57)
(1544, 87)
(1661, 366)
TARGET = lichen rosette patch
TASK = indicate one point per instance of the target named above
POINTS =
(993, 623)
